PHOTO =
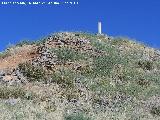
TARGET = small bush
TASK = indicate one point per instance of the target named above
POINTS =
(87, 35)
(143, 82)
(121, 41)
(63, 77)
(155, 111)
(24, 42)
(76, 117)
(15, 92)
(86, 70)
(28, 42)
(66, 54)
(4, 54)
(146, 65)
(40, 41)
(31, 72)
(50, 106)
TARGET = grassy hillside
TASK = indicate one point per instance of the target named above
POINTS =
(80, 76)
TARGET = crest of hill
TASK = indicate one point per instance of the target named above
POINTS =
(27, 51)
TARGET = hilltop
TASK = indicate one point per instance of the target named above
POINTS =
(80, 76)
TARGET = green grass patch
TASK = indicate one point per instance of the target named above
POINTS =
(4, 54)
(77, 116)
(67, 54)
(15, 92)
(64, 77)
(31, 72)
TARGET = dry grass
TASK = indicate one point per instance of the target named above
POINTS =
(27, 110)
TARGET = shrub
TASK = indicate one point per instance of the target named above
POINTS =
(24, 42)
(118, 41)
(87, 35)
(76, 117)
(31, 72)
(146, 65)
(86, 70)
(142, 82)
(4, 54)
(15, 92)
(28, 42)
(63, 77)
(40, 41)
(50, 106)
(155, 111)
(66, 54)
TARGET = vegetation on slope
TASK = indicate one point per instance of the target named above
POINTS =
(81, 76)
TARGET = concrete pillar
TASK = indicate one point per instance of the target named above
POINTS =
(99, 28)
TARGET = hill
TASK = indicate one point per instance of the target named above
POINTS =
(80, 76)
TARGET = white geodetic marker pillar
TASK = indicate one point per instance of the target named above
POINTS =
(99, 28)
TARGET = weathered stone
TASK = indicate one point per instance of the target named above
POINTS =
(12, 101)
(2, 73)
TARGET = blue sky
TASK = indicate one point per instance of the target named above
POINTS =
(137, 19)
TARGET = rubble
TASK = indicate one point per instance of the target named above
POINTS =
(12, 78)
(45, 59)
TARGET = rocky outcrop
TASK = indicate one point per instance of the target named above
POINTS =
(45, 59)
(12, 77)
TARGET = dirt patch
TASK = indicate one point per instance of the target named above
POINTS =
(18, 55)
